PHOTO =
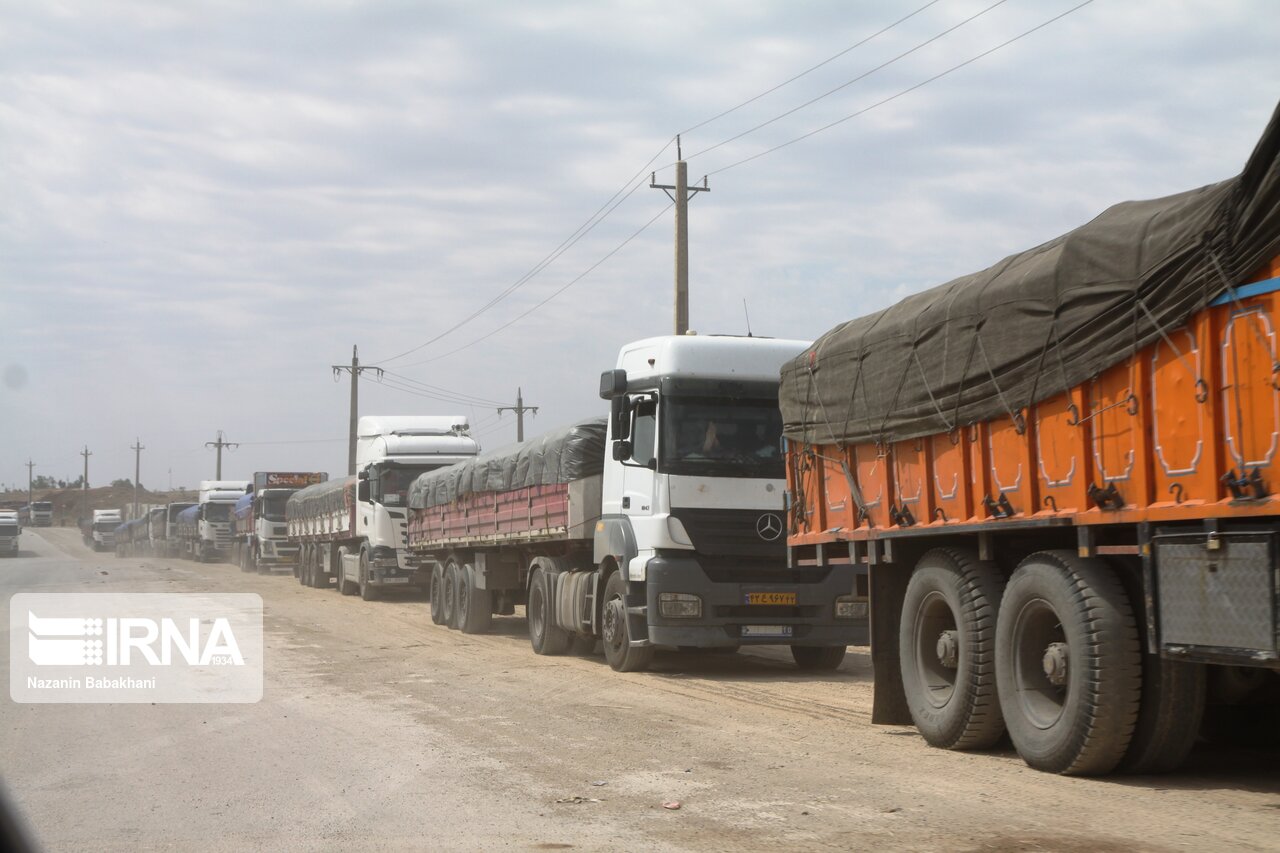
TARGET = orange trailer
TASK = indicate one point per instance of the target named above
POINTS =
(1093, 566)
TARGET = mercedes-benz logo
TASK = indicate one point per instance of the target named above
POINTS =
(769, 527)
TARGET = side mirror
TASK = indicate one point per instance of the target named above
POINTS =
(613, 384)
(362, 490)
(362, 474)
(620, 417)
(622, 450)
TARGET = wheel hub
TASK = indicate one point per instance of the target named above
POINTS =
(948, 649)
(613, 623)
(1055, 663)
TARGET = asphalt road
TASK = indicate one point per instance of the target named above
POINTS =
(379, 730)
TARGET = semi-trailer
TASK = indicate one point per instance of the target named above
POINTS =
(352, 533)
(206, 533)
(259, 536)
(1061, 473)
(661, 527)
(165, 541)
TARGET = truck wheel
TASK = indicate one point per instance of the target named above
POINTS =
(1068, 664)
(304, 563)
(946, 649)
(246, 565)
(450, 613)
(1173, 701)
(475, 607)
(368, 591)
(345, 587)
(546, 637)
(616, 633)
(818, 658)
(256, 564)
(437, 595)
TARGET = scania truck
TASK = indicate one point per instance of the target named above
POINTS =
(212, 528)
(352, 532)
(663, 527)
(100, 534)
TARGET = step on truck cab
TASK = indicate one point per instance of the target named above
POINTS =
(352, 533)
(671, 535)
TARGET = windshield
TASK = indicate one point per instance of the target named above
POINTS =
(721, 437)
(217, 512)
(106, 526)
(8, 528)
(273, 506)
(390, 485)
(42, 506)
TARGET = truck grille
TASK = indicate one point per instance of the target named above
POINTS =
(733, 532)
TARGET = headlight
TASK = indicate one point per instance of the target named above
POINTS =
(848, 608)
(679, 605)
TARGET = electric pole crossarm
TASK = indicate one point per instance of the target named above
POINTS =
(355, 370)
(218, 445)
(519, 408)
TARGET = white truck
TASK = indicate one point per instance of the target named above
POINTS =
(165, 541)
(100, 535)
(667, 530)
(212, 528)
(260, 538)
(352, 532)
(41, 514)
(10, 530)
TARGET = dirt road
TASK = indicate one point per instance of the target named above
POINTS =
(379, 730)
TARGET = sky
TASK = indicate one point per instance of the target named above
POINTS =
(206, 205)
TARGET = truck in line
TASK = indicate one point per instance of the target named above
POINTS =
(204, 530)
(661, 527)
(259, 537)
(99, 531)
(165, 541)
(1063, 476)
(352, 533)
(10, 531)
(38, 514)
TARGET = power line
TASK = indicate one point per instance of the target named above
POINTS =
(905, 91)
(479, 401)
(849, 83)
(557, 292)
(566, 244)
(808, 71)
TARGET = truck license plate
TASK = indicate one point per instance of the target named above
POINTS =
(766, 630)
(785, 598)
(395, 580)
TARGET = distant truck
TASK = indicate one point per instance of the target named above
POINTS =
(259, 535)
(10, 531)
(164, 529)
(208, 535)
(99, 533)
(41, 514)
(662, 528)
(353, 532)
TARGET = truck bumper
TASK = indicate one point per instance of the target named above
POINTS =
(729, 619)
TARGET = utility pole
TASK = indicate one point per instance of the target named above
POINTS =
(137, 447)
(519, 408)
(680, 193)
(218, 445)
(355, 370)
(84, 485)
(30, 466)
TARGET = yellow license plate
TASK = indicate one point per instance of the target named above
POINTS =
(784, 598)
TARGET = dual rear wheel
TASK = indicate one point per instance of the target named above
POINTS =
(1052, 657)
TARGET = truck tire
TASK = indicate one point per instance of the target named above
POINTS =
(1068, 664)
(475, 607)
(818, 658)
(368, 591)
(437, 595)
(246, 565)
(946, 649)
(315, 574)
(304, 564)
(256, 564)
(616, 630)
(1173, 700)
(546, 637)
(449, 596)
(345, 587)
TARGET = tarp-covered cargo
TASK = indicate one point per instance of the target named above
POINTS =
(1039, 322)
(320, 499)
(561, 456)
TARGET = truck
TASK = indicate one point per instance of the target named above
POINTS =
(207, 535)
(38, 514)
(259, 538)
(351, 533)
(164, 529)
(10, 531)
(99, 533)
(660, 526)
(1061, 476)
